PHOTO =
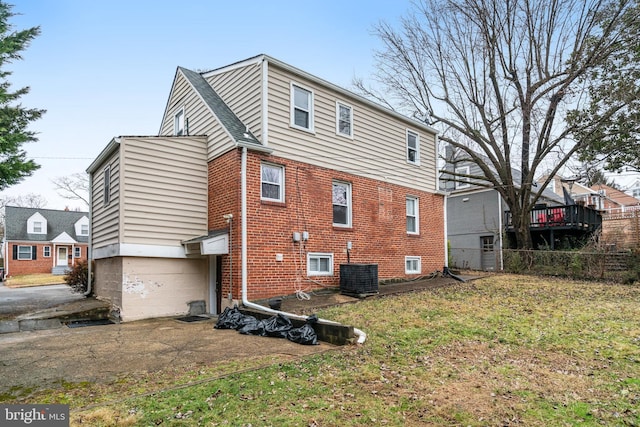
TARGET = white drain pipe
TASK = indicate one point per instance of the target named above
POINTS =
(243, 221)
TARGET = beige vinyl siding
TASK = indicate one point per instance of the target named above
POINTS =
(200, 119)
(241, 89)
(164, 190)
(378, 147)
(105, 225)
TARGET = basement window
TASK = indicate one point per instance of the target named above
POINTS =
(412, 265)
(319, 264)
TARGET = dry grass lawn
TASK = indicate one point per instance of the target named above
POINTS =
(33, 280)
(504, 350)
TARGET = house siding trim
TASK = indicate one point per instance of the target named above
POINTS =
(137, 250)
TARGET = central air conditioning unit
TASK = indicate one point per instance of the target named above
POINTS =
(359, 280)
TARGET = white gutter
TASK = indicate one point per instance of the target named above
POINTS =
(244, 271)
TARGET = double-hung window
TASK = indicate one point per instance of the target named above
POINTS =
(84, 229)
(341, 200)
(25, 252)
(77, 252)
(344, 119)
(272, 182)
(412, 265)
(301, 107)
(412, 215)
(319, 264)
(413, 147)
(46, 251)
(37, 227)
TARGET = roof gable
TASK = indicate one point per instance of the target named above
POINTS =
(617, 196)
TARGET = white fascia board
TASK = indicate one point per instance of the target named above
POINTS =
(64, 238)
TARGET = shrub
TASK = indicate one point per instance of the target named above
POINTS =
(76, 278)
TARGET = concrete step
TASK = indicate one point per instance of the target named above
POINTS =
(56, 317)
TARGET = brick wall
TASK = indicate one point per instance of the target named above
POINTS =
(378, 234)
(40, 264)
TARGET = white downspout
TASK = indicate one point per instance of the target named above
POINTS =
(446, 232)
(244, 272)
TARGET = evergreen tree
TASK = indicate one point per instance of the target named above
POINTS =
(14, 118)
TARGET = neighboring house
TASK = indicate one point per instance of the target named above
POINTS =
(634, 189)
(478, 221)
(615, 201)
(43, 240)
(580, 194)
(263, 179)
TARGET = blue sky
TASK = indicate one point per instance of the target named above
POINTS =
(105, 68)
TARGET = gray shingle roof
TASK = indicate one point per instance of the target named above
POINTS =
(58, 222)
(227, 118)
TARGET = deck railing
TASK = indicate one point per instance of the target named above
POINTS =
(569, 216)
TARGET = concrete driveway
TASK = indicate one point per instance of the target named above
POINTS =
(101, 354)
(14, 301)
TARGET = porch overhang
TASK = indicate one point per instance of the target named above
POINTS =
(214, 243)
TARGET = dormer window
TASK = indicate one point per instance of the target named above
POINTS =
(82, 226)
(37, 224)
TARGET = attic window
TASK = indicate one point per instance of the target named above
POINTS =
(37, 227)
(178, 123)
(107, 185)
(413, 147)
(301, 108)
(462, 181)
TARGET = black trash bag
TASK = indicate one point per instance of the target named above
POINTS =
(252, 326)
(277, 326)
(231, 318)
(305, 334)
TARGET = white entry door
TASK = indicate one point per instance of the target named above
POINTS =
(62, 256)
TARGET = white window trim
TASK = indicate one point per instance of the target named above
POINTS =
(416, 215)
(293, 107)
(30, 253)
(82, 232)
(75, 250)
(282, 171)
(179, 114)
(345, 105)
(462, 184)
(349, 204)
(413, 258)
(311, 255)
(417, 148)
(44, 253)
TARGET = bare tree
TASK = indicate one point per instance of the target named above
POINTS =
(29, 200)
(497, 78)
(73, 187)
